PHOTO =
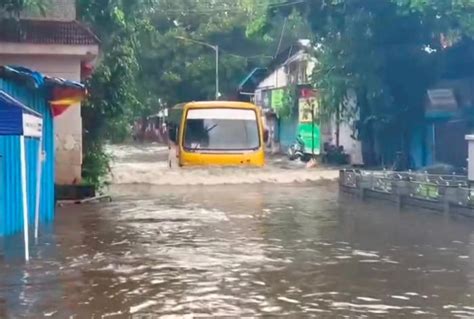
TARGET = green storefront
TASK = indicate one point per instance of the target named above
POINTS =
(300, 121)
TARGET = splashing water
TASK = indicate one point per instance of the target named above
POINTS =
(148, 165)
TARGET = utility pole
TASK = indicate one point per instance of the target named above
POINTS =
(312, 129)
(216, 49)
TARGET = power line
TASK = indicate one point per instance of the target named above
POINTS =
(259, 56)
(281, 36)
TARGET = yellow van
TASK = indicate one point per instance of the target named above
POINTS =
(216, 133)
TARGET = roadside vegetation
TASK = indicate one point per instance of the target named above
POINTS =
(384, 53)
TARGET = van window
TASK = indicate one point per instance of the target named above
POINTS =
(218, 129)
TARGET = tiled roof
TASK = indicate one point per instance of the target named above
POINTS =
(46, 32)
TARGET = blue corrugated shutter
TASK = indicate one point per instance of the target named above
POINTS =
(2, 196)
(9, 147)
(287, 131)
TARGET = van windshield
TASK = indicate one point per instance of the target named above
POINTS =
(218, 129)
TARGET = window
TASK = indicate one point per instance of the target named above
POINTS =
(220, 129)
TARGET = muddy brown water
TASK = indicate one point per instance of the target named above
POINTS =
(241, 251)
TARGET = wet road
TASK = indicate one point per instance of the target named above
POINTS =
(293, 250)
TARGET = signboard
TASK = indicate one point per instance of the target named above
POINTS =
(277, 98)
(442, 98)
(32, 125)
(306, 106)
(305, 131)
(309, 131)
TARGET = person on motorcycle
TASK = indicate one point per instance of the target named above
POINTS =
(297, 150)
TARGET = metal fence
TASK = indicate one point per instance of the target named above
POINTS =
(451, 189)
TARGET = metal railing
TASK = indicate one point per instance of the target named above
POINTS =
(433, 187)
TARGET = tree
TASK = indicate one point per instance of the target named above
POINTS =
(146, 65)
(387, 52)
(176, 70)
(112, 88)
(15, 7)
(452, 17)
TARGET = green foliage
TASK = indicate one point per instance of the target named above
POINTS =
(174, 69)
(96, 167)
(14, 7)
(448, 16)
(112, 89)
(147, 63)
(387, 52)
(290, 103)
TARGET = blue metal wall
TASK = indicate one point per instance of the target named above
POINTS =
(10, 200)
(12, 204)
(288, 131)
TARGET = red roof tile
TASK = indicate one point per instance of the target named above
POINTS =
(46, 32)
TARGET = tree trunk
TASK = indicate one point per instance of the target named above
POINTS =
(366, 130)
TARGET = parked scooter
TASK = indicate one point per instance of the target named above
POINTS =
(297, 151)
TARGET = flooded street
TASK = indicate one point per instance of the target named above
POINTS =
(256, 249)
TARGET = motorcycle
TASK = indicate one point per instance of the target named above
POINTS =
(297, 151)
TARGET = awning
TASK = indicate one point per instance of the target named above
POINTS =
(61, 93)
(17, 119)
(249, 83)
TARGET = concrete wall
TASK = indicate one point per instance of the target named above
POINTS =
(68, 126)
(351, 146)
(450, 195)
(276, 79)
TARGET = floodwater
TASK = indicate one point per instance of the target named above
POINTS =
(250, 250)
(148, 165)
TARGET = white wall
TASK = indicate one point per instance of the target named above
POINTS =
(351, 146)
(276, 79)
(279, 77)
(68, 126)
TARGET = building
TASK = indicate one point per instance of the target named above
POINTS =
(27, 94)
(447, 114)
(448, 118)
(58, 46)
(284, 93)
(288, 74)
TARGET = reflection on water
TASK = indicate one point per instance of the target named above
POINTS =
(242, 251)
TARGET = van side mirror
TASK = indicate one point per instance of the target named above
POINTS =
(265, 136)
(173, 134)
